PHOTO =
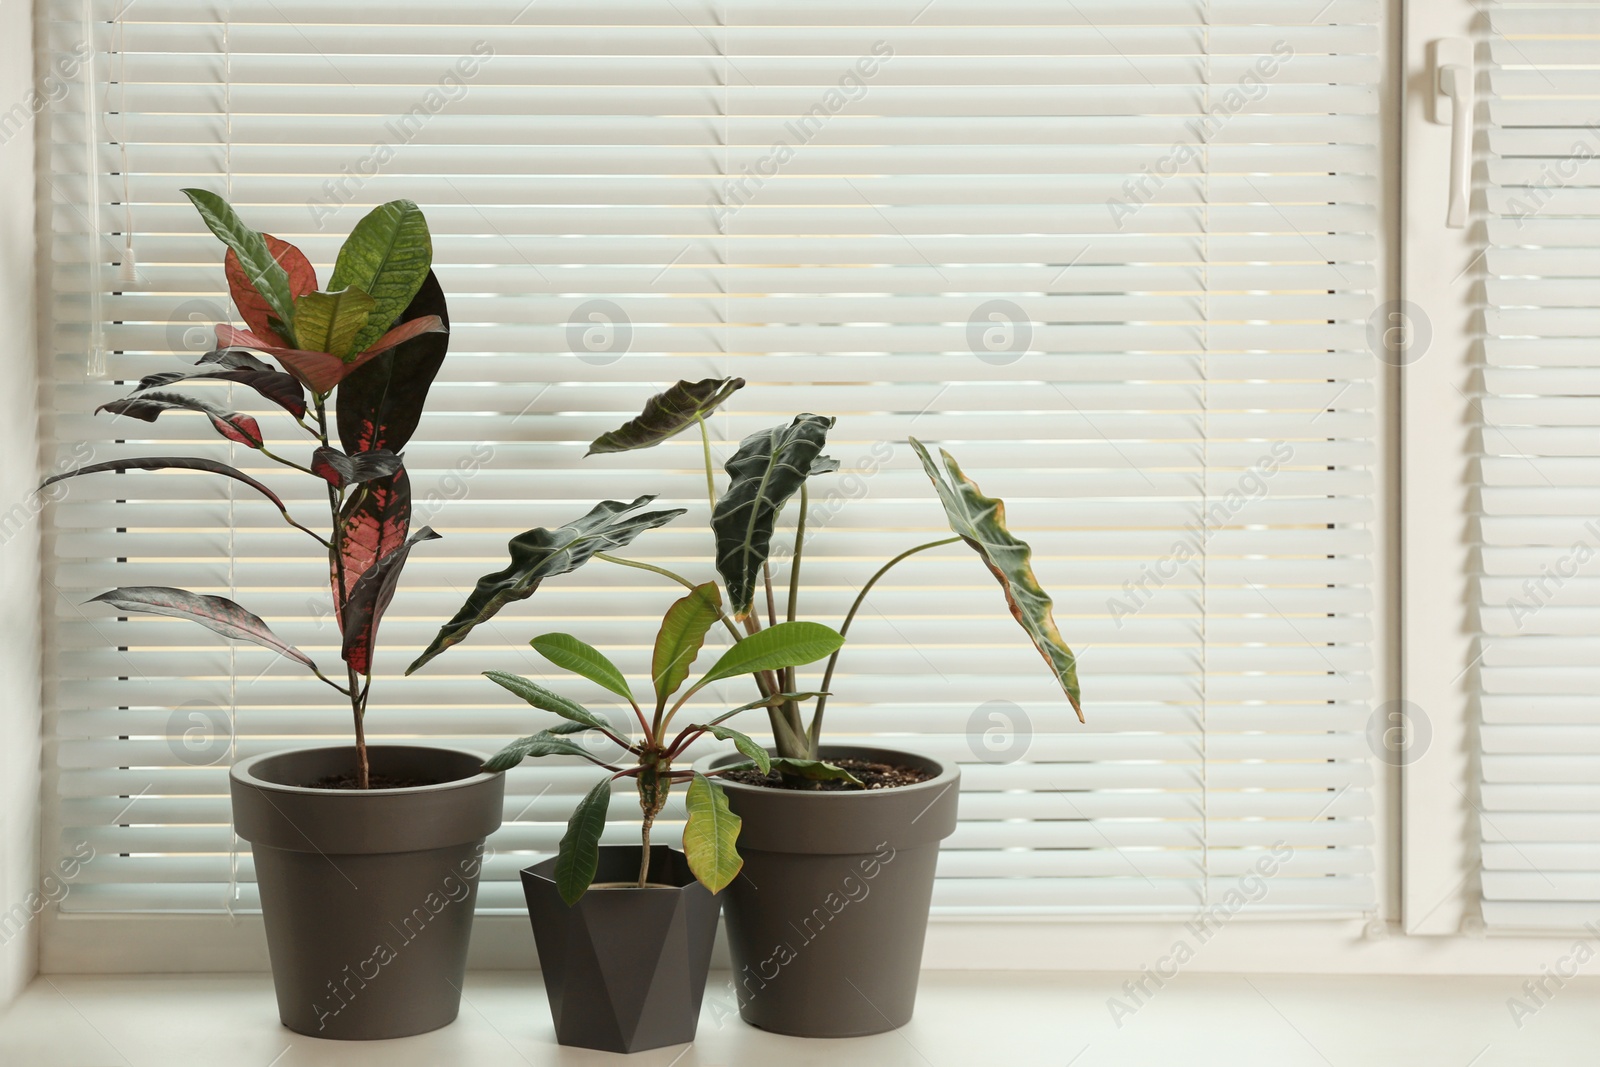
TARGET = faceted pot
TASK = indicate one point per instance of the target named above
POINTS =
(827, 919)
(367, 894)
(625, 968)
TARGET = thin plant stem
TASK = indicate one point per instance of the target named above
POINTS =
(705, 444)
(827, 676)
(680, 579)
(286, 462)
(799, 546)
(772, 604)
(644, 858)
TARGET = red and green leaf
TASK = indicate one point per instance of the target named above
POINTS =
(156, 463)
(237, 365)
(213, 612)
(340, 470)
(253, 307)
(147, 407)
(321, 371)
(372, 524)
(380, 405)
(369, 599)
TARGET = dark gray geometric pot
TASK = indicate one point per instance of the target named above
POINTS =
(826, 921)
(625, 969)
(367, 894)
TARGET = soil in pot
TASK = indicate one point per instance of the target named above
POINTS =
(872, 773)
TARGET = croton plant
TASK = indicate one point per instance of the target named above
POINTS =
(364, 349)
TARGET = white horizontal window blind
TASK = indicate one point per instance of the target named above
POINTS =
(1539, 530)
(1116, 256)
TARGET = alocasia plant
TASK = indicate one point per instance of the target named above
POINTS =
(367, 347)
(769, 469)
(711, 832)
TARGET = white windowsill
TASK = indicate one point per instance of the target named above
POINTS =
(963, 1018)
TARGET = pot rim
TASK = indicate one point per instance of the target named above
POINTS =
(244, 772)
(949, 773)
(533, 871)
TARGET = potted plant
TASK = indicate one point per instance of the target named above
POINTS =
(625, 931)
(366, 856)
(826, 932)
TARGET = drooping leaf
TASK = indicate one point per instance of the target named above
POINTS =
(682, 633)
(157, 463)
(543, 743)
(667, 414)
(213, 612)
(788, 644)
(711, 835)
(373, 523)
(319, 370)
(380, 404)
(578, 856)
(387, 255)
(263, 271)
(147, 407)
(340, 470)
(824, 465)
(237, 365)
(369, 598)
(765, 472)
(571, 654)
(253, 307)
(546, 700)
(809, 769)
(541, 553)
(981, 522)
(744, 744)
(328, 322)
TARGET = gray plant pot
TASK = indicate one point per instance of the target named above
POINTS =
(367, 895)
(826, 921)
(625, 968)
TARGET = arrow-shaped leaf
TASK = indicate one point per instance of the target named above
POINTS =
(369, 598)
(265, 274)
(237, 365)
(578, 856)
(682, 633)
(711, 834)
(543, 743)
(765, 472)
(667, 414)
(340, 470)
(981, 522)
(540, 553)
(387, 254)
(215, 613)
(788, 644)
(571, 654)
(328, 322)
(147, 407)
(253, 307)
(546, 700)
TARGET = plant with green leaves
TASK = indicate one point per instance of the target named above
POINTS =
(711, 833)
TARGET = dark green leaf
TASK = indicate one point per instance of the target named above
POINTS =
(682, 633)
(340, 470)
(667, 414)
(740, 742)
(543, 743)
(764, 702)
(237, 365)
(579, 854)
(264, 271)
(765, 472)
(380, 404)
(571, 654)
(546, 700)
(541, 553)
(159, 463)
(981, 522)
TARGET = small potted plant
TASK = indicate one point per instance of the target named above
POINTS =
(366, 856)
(625, 931)
(826, 933)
